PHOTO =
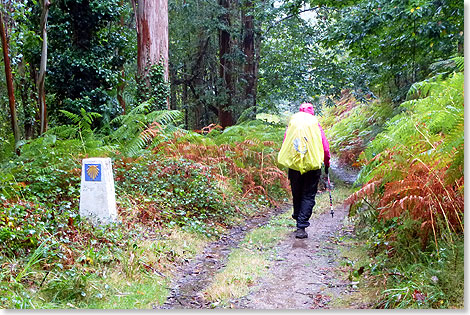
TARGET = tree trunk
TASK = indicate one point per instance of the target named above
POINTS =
(122, 79)
(9, 79)
(256, 66)
(184, 100)
(173, 90)
(120, 91)
(24, 89)
(249, 51)
(225, 70)
(152, 36)
(42, 70)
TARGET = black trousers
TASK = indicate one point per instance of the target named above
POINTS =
(304, 188)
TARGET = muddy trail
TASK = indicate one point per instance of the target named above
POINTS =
(307, 272)
(193, 278)
(304, 275)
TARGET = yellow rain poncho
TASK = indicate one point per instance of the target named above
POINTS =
(302, 149)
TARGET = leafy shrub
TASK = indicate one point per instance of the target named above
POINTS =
(172, 190)
(46, 170)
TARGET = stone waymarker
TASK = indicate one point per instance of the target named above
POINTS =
(97, 196)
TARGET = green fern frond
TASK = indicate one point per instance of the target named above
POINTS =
(73, 117)
(422, 89)
(64, 131)
(84, 120)
(165, 117)
(134, 146)
(131, 133)
(459, 63)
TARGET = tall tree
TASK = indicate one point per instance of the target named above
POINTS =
(225, 69)
(122, 78)
(152, 37)
(86, 50)
(396, 42)
(250, 68)
(9, 79)
(42, 69)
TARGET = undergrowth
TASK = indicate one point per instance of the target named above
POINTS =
(175, 191)
(350, 125)
(411, 205)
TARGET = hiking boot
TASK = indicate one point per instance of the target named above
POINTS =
(300, 233)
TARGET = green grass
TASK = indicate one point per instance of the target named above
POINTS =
(132, 276)
(355, 257)
(147, 291)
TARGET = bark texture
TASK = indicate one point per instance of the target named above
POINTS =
(42, 70)
(9, 80)
(225, 70)
(152, 35)
(250, 72)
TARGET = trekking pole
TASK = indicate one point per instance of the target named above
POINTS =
(331, 200)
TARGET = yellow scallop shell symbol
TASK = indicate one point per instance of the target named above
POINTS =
(93, 171)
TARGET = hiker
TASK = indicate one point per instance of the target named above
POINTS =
(303, 150)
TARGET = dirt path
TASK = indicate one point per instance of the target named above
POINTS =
(193, 278)
(306, 273)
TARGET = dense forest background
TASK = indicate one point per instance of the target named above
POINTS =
(190, 100)
(225, 58)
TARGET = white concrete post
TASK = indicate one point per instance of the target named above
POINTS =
(97, 196)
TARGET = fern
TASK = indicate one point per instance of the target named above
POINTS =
(138, 128)
(459, 63)
(83, 121)
(83, 131)
(419, 159)
(64, 131)
(250, 163)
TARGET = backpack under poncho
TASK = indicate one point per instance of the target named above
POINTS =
(302, 149)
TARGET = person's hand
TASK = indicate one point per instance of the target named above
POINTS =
(326, 170)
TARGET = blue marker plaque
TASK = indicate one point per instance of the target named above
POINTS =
(93, 172)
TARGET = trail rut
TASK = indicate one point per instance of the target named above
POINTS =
(193, 278)
(306, 273)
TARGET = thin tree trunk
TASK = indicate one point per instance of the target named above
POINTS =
(173, 90)
(24, 90)
(42, 70)
(256, 67)
(225, 70)
(184, 100)
(122, 79)
(9, 79)
(120, 90)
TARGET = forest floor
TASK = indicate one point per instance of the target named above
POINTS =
(312, 273)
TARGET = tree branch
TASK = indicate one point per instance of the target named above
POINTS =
(290, 16)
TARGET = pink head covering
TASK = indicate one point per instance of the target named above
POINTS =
(307, 108)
